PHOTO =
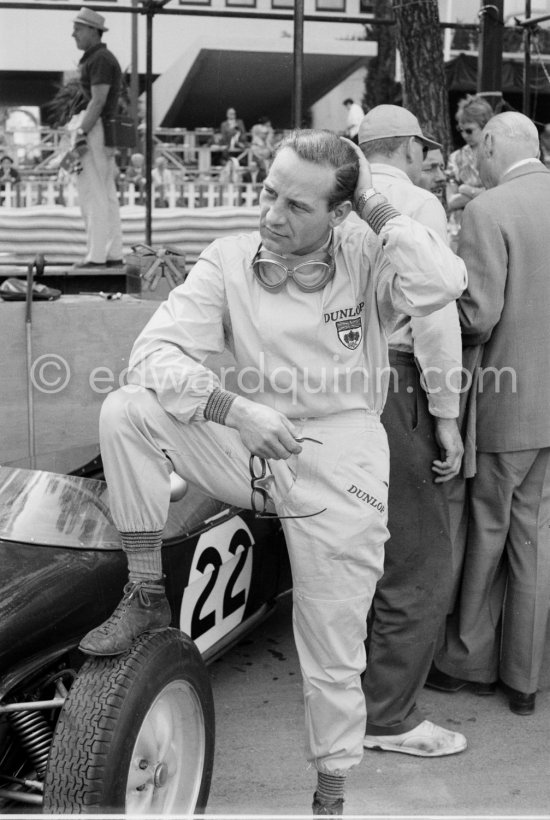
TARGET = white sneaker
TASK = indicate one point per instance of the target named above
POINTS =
(425, 740)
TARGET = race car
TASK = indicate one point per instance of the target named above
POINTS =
(132, 734)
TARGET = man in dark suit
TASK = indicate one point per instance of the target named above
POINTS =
(498, 631)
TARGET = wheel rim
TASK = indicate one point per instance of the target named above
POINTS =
(168, 757)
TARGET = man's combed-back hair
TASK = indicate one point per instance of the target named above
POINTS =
(385, 146)
(326, 149)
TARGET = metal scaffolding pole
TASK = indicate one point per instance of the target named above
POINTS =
(298, 63)
(149, 14)
(489, 71)
(134, 75)
(527, 62)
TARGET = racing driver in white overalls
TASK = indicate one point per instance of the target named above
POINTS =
(305, 307)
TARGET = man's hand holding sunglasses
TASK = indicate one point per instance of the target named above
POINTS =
(264, 431)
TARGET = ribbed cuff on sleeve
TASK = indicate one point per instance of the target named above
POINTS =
(218, 404)
(379, 215)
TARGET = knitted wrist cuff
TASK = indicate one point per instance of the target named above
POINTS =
(379, 215)
(218, 404)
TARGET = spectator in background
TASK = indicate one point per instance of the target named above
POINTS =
(237, 146)
(472, 115)
(433, 177)
(353, 120)
(233, 142)
(162, 179)
(100, 78)
(252, 173)
(464, 184)
(266, 122)
(135, 174)
(261, 147)
(232, 130)
(411, 599)
(8, 174)
(217, 151)
(498, 632)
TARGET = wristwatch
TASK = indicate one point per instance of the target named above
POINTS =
(363, 199)
(81, 132)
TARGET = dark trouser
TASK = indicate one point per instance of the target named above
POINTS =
(412, 597)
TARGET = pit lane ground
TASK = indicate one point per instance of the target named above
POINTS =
(260, 768)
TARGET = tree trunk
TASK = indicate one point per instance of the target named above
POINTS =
(380, 84)
(420, 44)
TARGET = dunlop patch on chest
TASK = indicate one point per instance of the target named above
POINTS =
(350, 332)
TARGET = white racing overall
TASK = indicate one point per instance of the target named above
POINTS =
(320, 358)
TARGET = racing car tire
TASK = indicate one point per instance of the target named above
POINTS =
(136, 733)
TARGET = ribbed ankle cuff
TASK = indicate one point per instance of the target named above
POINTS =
(330, 787)
(143, 552)
(141, 540)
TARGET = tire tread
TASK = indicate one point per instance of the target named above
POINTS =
(79, 753)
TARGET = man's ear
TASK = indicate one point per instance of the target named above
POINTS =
(339, 213)
(488, 142)
(409, 150)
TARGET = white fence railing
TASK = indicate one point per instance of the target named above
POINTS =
(188, 194)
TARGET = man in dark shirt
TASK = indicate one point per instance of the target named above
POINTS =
(100, 79)
(8, 175)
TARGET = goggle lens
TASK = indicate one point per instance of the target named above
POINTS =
(309, 276)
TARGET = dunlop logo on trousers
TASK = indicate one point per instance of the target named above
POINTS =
(363, 495)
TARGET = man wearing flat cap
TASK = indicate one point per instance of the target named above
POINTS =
(100, 79)
(426, 450)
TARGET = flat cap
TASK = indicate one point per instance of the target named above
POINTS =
(386, 121)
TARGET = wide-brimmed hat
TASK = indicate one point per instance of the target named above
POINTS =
(386, 121)
(89, 17)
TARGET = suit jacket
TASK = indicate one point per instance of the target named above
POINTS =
(505, 243)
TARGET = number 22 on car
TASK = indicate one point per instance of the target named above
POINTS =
(219, 582)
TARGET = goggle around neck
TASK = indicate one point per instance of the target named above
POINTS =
(309, 276)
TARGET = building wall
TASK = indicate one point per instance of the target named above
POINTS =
(330, 112)
(41, 40)
(39, 43)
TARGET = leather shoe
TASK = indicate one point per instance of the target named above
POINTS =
(115, 263)
(520, 703)
(446, 683)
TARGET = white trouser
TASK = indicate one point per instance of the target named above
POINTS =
(98, 199)
(336, 557)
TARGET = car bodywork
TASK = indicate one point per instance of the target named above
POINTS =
(63, 571)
